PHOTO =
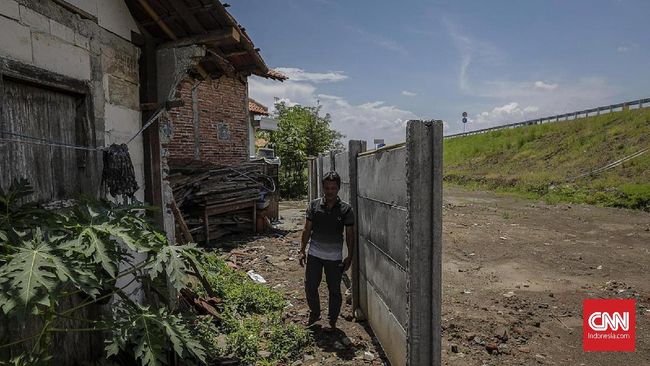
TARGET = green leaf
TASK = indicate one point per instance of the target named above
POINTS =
(172, 259)
(31, 274)
(97, 248)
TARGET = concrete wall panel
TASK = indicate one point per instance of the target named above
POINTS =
(390, 333)
(10, 9)
(386, 277)
(385, 226)
(382, 176)
(342, 167)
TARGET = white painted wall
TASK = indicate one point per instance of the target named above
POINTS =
(114, 16)
(33, 38)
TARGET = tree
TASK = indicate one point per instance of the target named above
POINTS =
(302, 132)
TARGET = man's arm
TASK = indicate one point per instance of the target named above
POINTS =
(350, 239)
(306, 233)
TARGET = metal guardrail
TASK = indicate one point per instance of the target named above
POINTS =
(556, 118)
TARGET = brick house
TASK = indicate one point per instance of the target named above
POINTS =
(216, 123)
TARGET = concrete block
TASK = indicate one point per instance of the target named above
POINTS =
(121, 92)
(87, 6)
(81, 41)
(15, 40)
(386, 277)
(385, 226)
(10, 9)
(121, 63)
(382, 176)
(36, 21)
(64, 58)
(390, 333)
(61, 31)
(120, 121)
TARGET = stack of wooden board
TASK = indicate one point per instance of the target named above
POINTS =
(217, 200)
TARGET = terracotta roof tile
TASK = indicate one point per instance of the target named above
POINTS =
(257, 108)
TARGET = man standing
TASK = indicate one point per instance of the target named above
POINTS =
(325, 220)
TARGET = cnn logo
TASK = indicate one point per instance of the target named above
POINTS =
(601, 321)
(608, 325)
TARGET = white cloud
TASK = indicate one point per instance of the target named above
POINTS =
(470, 49)
(297, 74)
(627, 47)
(380, 41)
(408, 93)
(508, 113)
(542, 85)
(364, 121)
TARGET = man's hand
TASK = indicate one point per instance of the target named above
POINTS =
(346, 263)
(302, 258)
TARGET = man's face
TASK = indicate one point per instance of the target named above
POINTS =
(330, 189)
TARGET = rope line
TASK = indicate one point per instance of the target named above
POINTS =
(22, 138)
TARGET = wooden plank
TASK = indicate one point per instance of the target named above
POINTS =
(181, 222)
(225, 36)
(187, 16)
(151, 136)
(42, 78)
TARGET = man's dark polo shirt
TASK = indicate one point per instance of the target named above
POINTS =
(327, 227)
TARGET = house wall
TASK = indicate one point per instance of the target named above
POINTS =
(213, 124)
(91, 45)
(94, 50)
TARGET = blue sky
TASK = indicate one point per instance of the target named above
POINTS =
(375, 64)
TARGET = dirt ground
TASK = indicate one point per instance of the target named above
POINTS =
(515, 273)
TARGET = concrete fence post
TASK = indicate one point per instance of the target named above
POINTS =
(320, 173)
(424, 242)
(312, 177)
(354, 148)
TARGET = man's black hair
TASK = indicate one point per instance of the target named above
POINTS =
(333, 177)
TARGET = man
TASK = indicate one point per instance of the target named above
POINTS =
(325, 220)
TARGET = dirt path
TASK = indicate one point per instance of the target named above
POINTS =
(510, 266)
(275, 257)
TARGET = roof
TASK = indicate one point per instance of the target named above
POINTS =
(257, 108)
(177, 23)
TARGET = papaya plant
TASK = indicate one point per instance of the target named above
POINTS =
(49, 255)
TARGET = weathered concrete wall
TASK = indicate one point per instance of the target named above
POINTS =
(397, 195)
(95, 51)
(48, 36)
(382, 248)
(342, 168)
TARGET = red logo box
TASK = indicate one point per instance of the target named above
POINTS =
(608, 325)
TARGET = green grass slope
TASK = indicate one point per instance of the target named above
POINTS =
(540, 161)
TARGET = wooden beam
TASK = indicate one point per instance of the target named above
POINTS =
(228, 35)
(187, 16)
(151, 136)
(223, 63)
(236, 53)
(152, 13)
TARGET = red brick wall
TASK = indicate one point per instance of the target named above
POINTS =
(220, 101)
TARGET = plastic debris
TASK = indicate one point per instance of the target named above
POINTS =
(256, 277)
